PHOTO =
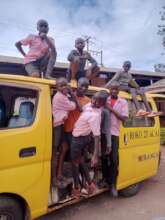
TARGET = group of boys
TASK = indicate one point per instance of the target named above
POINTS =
(41, 57)
(77, 121)
(76, 117)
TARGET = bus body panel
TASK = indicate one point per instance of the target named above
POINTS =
(29, 177)
(138, 152)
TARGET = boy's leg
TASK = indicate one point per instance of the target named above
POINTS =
(92, 72)
(114, 159)
(140, 111)
(114, 162)
(143, 97)
(32, 70)
(104, 158)
(63, 151)
(134, 97)
(84, 170)
(57, 135)
(74, 67)
(75, 159)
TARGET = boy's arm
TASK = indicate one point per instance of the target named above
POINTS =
(19, 47)
(124, 112)
(53, 55)
(133, 84)
(91, 60)
(106, 127)
(94, 160)
(24, 42)
(50, 66)
(114, 79)
(95, 125)
(72, 55)
(120, 116)
(74, 99)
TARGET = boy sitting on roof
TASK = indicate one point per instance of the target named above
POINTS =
(129, 85)
(42, 54)
(78, 58)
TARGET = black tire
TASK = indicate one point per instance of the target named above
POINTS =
(10, 209)
(130, 190)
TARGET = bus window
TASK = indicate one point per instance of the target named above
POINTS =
(17, 108)
(134, 121)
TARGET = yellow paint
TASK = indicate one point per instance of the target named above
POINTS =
(29, 178)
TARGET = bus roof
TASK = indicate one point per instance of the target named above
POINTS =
(53, 82)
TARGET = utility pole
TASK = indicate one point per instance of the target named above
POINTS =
(87, 40)
(94, 52)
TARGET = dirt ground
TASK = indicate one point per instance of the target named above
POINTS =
(149, 204)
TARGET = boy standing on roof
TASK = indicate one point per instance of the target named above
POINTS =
(41, 56)
(78, 58)
(127, 84)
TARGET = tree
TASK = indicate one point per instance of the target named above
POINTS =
(161, 31)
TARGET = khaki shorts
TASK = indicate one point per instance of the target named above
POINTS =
(39, 66)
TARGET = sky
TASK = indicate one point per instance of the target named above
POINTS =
(122, 29)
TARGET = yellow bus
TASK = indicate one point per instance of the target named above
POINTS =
(26, 148)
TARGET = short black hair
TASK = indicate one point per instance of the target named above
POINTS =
(83, 80)
(127, 63)
(101, 95)
(42, 21)
(79, 39)
(60, 80)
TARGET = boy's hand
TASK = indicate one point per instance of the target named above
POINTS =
(108, 150)
(70, 91)
(109, 107)
(94, 161)
(43, 35)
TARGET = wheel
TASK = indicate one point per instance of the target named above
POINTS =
(130, 190)
(10, 209)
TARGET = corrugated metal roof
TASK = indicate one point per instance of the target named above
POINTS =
(158, 87)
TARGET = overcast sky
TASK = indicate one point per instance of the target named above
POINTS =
(123, 29)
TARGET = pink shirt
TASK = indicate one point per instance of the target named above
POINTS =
(121, 106)
(89, 121)
(60, 108)
(37, 47)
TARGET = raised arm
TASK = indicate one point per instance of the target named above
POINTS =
(74, 99)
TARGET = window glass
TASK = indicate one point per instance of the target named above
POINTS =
(134, 121)
(17, 106)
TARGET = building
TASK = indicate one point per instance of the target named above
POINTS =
(14, 65)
